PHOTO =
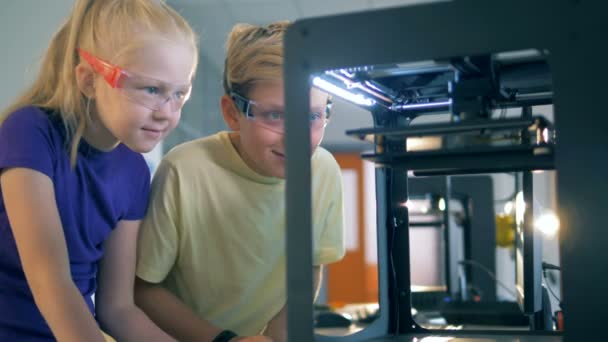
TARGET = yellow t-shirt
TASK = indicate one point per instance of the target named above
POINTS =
(214, 234)
(107, 337)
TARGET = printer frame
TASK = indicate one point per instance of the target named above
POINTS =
(573, 33)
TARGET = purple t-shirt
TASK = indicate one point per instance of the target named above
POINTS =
(103, 188)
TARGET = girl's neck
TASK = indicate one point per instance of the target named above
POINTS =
(98, 136)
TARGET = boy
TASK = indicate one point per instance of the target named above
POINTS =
(211, 262)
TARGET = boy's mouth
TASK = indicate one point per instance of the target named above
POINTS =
(279, 154)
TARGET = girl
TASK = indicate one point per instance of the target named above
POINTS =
(73, 182)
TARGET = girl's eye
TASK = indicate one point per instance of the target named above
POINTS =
(180, 95)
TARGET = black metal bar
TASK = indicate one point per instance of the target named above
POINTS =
(386, 276)
(463, 161)
(426, 224)
(448, 232)
(531, 248)
(399, 249)
(298, 217)
(450, 128)
(385, 222)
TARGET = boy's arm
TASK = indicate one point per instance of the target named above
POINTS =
(175, 317)
(29, 199)
(115, 305)
(277, 327)
(317, 277)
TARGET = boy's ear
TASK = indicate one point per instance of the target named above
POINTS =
(230, 113)
(85, 78)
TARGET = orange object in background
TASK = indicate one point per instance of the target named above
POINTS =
(559, 315)
(352, 280)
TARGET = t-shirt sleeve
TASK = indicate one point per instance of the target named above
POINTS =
(139, 202)
(158, 240)
(26, 141)
(330, 246)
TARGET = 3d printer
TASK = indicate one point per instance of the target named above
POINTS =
(476, 91)
(479, 59)
(472, 89)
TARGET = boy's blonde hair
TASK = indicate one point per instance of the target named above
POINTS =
(109, 29)
(253, 53)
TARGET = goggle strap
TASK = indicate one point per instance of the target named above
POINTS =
(111, 73)
(241, 102)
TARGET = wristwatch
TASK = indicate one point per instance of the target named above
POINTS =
(225, 336)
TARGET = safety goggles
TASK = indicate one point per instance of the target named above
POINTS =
(275, 119)
(148, 92)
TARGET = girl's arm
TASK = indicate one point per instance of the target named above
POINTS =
(115, 306)
(29, 198)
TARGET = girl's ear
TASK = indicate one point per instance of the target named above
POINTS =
(85, 78)
(230, 113)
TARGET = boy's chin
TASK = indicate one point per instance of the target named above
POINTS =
(278, 173)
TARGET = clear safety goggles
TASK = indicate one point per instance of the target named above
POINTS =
(275, 119)
(148, 92)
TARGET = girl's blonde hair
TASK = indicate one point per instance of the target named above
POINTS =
(253, 53)
(109, 29)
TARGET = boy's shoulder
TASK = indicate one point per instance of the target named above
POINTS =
(325, 168)
(197, 150)
(322, 159)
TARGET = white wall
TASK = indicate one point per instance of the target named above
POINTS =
(24, 37)
(26, 27)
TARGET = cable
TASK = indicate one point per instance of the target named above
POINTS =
(547, 266)
(491, 274)
(391, 251)
(551, 290)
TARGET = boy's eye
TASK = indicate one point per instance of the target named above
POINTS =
(315, 117)
(274, 116)
(180, 95)
(151, 90)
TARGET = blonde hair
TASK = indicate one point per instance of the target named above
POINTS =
(109, 29)
(253, 53)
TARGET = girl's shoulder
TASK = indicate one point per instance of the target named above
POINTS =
(124, 155)
(27, 116)
(33, 124)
